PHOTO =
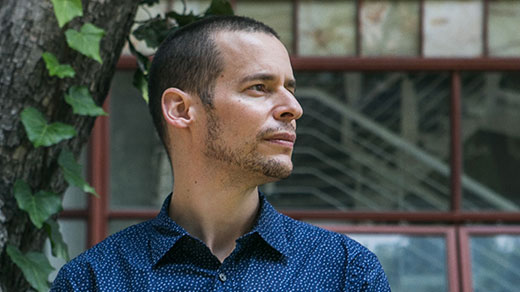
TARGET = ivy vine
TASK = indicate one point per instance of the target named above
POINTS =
(154, 30)
(40, 205)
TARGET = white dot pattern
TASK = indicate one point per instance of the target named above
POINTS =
(279, 254)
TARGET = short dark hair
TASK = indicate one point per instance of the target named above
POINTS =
(189, 59)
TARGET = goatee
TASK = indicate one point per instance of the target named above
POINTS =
(247, 158)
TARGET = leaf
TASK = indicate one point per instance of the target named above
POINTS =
(72, 172)
(40, 206)
(34, 265)
(140, 80)
(149, 2)
(82, 102)
(86, 41)
(219, 7)
(183, 19)
(141, 83)
(142, 61)
(41, 133)
(153, 31)
(55, 68)
(66, 10)
(59, 247)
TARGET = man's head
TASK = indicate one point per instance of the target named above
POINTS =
(226, 84)
(189, 60)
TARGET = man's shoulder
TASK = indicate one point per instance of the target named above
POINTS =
(303, 231)
(104, 259)
(125, 242)
(317, 246)
(306, 236)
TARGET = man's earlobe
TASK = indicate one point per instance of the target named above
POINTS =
(176, 107)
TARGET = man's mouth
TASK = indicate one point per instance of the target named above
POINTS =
(285, 139)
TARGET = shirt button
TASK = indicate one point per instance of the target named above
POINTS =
(222, 277)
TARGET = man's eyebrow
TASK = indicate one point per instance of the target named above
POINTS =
(267, 77)
(259, 76)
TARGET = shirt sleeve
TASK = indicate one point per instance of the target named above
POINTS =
(73, 277)
(62, 282)
(379, 284)
(366, 274)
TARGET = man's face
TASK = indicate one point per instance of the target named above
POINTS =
(252, 126)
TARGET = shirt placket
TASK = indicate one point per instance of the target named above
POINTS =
(225, 276)
(223, 279)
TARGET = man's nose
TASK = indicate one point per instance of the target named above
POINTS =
(288, 108)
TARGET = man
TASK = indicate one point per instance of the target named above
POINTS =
(222, 99)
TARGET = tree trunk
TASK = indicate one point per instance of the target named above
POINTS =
(27, 29)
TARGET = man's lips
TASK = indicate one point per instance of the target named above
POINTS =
(284, 139)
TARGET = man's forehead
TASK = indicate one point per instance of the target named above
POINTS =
(257, 51)
(232, 39)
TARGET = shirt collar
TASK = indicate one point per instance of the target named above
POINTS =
(166, 232)
(270, 226)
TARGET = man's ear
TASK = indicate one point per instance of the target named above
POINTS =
(175, 105)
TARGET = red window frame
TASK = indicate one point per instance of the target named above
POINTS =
(464, 234)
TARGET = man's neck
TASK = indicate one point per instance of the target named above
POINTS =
(216, 215)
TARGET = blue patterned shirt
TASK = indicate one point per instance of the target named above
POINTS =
(279, 254)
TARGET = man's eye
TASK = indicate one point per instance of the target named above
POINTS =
(258, 87)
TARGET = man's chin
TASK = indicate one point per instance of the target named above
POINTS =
(275, 170)
(276, 177)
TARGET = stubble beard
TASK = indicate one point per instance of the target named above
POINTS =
(246, 158)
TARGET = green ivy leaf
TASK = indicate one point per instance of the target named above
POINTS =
(34, 265)
(141, 83)
(142, 61)
(86, 41)
(219, 7)
(59, 247)
(41, 133)
(72, 172)
(66, 10)
(39, 206)
(153, 31)
(149, 2)
(140, 80)
(82, 102)
(55, 68)
(183, 19)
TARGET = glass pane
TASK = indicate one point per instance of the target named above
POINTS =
(504, 22)
(75, 236)
(117, 225)
(276, 14)
(411, 263)
(491, 140)
(140, 174)
(453, 28)
(375, 141)
(74, 197)
(390, 28)
(494, 262)
(327, 28)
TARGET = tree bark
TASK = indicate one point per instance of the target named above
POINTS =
(27, 29)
